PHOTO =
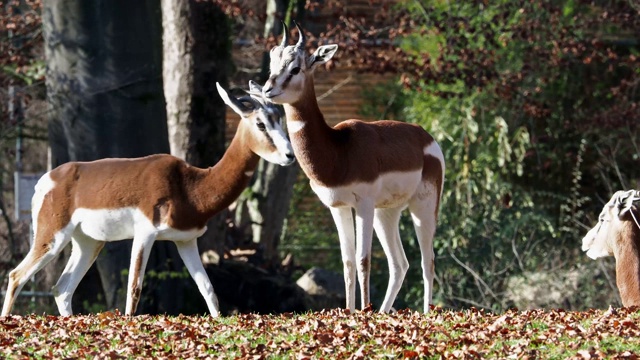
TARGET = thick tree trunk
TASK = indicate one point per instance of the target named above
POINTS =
(196, 55)
(104, 88)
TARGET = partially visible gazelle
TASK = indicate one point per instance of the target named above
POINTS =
(377, 168)
(158, 197)
(617, 234)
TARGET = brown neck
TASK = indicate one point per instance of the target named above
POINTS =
(314, 143)
(628, 264)
(221, 184)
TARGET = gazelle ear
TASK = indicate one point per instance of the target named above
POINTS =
(254, 87)
(629, 201)
(323, 54)
(235, 104)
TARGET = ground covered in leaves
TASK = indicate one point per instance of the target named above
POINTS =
(333, 334)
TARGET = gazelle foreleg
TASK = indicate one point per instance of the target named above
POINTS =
(140, 251)
(343, 217)
(385, 224)
(188, 251)
(364, 234)
(84, 251)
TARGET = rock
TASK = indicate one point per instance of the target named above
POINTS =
(325, 288)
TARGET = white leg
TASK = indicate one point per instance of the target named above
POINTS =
(188, 251)
(140, 251)
(84, 251)
(344, 223)
(385, 224)
(423, 213)
(45, 248)
(364, 234)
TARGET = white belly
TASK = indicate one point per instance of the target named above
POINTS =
(124, 223)
(391, 190)
(108, 224)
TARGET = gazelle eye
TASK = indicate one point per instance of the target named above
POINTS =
(295, 70)
(261, 126)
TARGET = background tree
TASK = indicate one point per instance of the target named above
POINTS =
(104, 90)
(264, 206)
(196, 55)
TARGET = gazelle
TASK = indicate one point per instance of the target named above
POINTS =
(158, 197)
(617, 233)
(377, 169)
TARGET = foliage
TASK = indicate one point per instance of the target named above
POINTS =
(518, 95)
(332, 334)
(21, 84)
(310, 232)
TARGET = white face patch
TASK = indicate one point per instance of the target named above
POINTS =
(283, 152)
(288, 72)
(596, 241)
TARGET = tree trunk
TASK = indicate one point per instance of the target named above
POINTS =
(104, 89)
(197, 54)
(267, 204)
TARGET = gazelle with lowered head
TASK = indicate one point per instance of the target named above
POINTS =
(376, 168)
(158, 197)
(617, 233)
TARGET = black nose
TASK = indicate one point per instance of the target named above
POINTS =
(291, 156)
(267, 90)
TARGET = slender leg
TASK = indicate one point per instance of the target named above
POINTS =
(343, 218)
(140, 251)
(84, 251)
(188, 251)
(46, 246)
(385, 224)
(424, 215)
(364, 234)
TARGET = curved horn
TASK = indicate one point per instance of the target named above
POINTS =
(302, 39)
(285, 35)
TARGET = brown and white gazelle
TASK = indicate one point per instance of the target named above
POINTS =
(158, 197)
(377, 168)
(617, 233)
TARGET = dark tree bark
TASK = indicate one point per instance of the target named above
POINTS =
(266, 205)
(104, 85)
(197, 54)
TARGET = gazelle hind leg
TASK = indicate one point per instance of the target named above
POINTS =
(364, 236)
(343, 217)
(45, 247)
(84, 251)
(140, 251)
(424, 215)
(386, 226)
(188, 251)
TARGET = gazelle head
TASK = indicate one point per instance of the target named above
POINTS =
(615, 217)
(262, 122)
(291, 68)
